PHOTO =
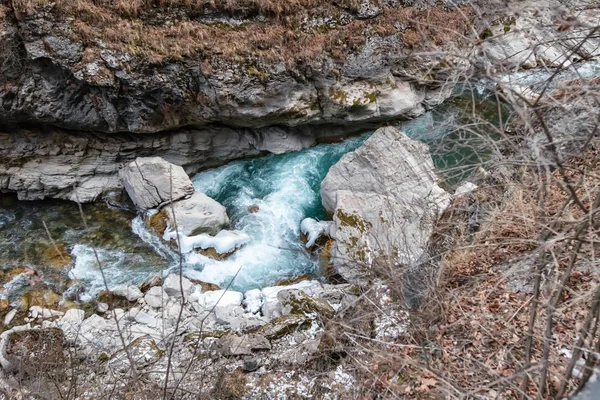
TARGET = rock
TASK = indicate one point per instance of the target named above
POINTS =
(150, 282)
(140, 317)
(314, 229)
(206, 286)
(10, 316)
(233, 345)
(102, 308)
(44, 298)
(253, 209)
(44, 313)
(368, 9)
(282, 325)
(222, 298)
(385, 199)
(465, 188)
(272, 306)
(295, 301)
(34, 351)
(131, 293)
(153, 181)
(173, 285)
(156, 297)
(251, 364)
(73, 317)
(143, 352)
(196, 215)
(253, 300)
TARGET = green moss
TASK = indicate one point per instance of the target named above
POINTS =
(487, 33)
(338, 95)
(353, 220)
(371, 97)
(257, 72)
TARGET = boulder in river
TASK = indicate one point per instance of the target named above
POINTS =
(153, 181)
(196, 215)
(384, 198)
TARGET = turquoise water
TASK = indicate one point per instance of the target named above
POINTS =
(285, 189)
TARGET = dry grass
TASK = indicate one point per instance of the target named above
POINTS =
(167, 30)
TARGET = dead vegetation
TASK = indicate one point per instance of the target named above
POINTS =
(243, 30)
(514, 313)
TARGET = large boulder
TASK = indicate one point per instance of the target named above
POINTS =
(196, 215)
(153, 181)
(384, 198)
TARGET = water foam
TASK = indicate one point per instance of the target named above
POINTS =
(266, 199)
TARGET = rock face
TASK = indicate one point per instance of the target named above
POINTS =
(384, 198)
(153, 181)
(198, 214)
(76, 106)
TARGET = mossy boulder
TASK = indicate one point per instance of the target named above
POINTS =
(295, 301)
(283, 325)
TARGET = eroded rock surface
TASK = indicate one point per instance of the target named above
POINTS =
(384, 198)
(153, 181)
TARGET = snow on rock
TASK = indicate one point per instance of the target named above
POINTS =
(314, 229)
(223, 242)
(224, 298)
(253, 300)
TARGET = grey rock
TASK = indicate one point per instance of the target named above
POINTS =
(282, 325)
(153, 181)
(233, 345)
(102, 308)
(295, 301)
(131, 292)
(142, 351)
(172, 286)
(368, 9)
(196, 215)
(251, 364)
(73, 317)
(384, 198)
(156, 297)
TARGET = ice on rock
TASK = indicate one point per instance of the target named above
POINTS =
(224, 298)
(314, 229)
(223, 242)
(253, 300)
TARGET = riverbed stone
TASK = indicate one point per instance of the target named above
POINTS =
(196, 215)
(296, 301)
(156, 297)
(172, 286)
(130, 292)
(384, 198)
(153, 181)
